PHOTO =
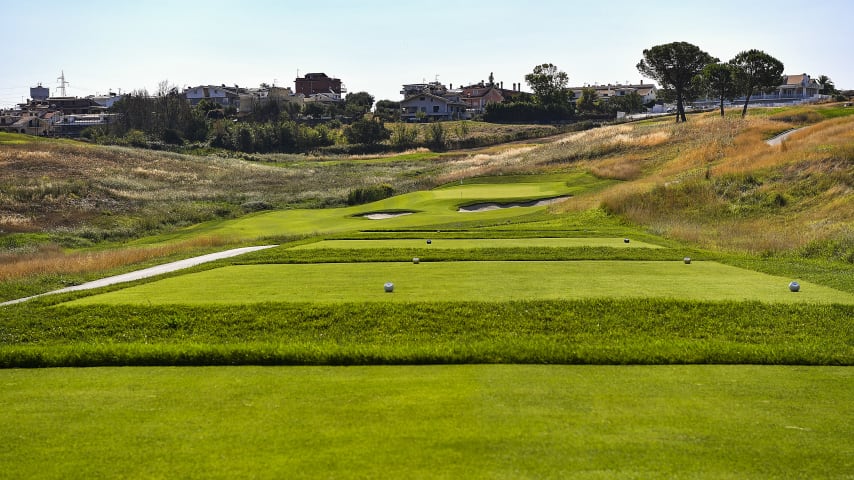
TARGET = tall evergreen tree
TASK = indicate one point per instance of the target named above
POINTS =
(675, 65)
(756, 71)
(719, 82)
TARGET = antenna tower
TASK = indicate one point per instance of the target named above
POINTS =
(62, 84)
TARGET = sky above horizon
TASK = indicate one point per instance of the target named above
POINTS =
(376, 46)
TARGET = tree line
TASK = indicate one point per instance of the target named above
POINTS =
(167, 119)
(684, 71)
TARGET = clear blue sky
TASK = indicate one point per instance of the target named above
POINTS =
(376, 46)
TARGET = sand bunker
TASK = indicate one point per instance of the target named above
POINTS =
(486, 207)
(384, 215)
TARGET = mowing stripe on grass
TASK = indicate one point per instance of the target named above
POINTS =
(469, 281)
(436, 422)
(475, 243)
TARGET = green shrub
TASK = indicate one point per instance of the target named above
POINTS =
(523, 112)
(136, 138)
(436, 136)
(172, 137)
(373, 193)
(367, 132)
(256, 206)
(403, 136)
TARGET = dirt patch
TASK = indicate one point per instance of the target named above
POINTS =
(489, 206)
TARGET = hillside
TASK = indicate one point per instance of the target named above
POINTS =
(711, 182)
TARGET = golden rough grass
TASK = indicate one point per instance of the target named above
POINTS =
(672, 189)
(53, 260)
(811, 144)
(487, 164)
(624, 167)
(819, 158)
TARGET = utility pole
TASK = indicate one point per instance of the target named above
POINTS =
(62, 84)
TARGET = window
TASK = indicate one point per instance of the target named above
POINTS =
(422, 99)
(435, 109)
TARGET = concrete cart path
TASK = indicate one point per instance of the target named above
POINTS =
(779, 138)
(148, 272)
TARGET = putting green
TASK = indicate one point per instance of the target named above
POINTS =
(432, 207)
(468, 281)
(475, 243)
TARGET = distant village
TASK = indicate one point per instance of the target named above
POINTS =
(69, 116)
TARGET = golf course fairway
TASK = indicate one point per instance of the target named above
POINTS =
(430, 422)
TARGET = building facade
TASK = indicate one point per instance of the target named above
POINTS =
(219, 95)
(318, 83)
(429, 107)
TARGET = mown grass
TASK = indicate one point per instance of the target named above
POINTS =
(433, 208)
(474, 243)
(599, 331)
(709, 183)
(437, 422)
(468, 281)
(440, 254)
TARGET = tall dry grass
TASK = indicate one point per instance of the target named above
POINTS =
(810, 144)
(51, 259)
(503, 162)
(726, 188)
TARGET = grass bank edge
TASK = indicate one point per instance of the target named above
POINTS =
(549, 332)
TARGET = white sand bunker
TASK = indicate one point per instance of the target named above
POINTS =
(486, 207)
(384, 215)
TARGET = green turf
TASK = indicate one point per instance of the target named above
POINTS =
(468, 281)
(436, 422)
(590, 331)
(432, 207)
(475, 243)
(7, 138)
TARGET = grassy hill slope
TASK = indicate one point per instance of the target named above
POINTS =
(712, 183)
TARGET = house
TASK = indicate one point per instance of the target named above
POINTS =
(793, 89)
(74, 125)
(319, 83)
(431, 107)
(218, 95)
(475, 97)
(478, 96)
(434, 88)
(284, 93)
(648, 92)
(7, 119)
(106, 101)
(66, 105)
(251, 98)
(30, 123)
(798, 86)
(327, 97)
(432, 101)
